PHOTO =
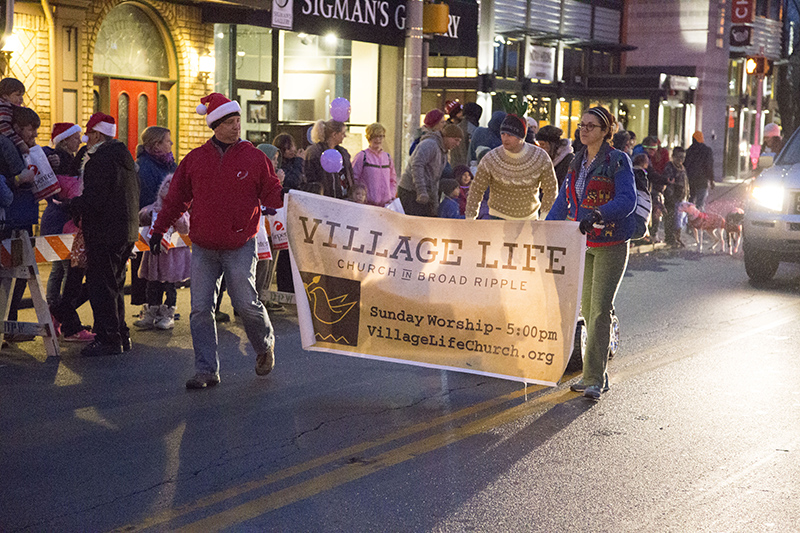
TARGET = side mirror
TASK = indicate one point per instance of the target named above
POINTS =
(765, 161)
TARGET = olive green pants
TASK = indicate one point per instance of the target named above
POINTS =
(603, 271)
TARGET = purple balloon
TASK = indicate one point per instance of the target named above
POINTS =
(340, 109)
(331, 160)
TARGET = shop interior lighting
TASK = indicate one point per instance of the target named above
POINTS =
(331, 39)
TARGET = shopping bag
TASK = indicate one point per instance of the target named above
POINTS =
(277, 229)
(45, 183)
(395, 206)
(262, 242)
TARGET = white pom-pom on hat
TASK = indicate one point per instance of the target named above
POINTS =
(84, 139)
(201, 109)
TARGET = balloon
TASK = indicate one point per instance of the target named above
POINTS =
(308, 134)
(340, 109)
(331, 160)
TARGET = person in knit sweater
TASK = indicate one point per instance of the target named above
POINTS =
(374, 168)
(514, 173)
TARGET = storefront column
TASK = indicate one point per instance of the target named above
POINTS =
(485, 56)
(412, 88)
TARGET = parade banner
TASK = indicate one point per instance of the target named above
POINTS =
(489, 297)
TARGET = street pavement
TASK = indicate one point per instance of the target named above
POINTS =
(698, 432)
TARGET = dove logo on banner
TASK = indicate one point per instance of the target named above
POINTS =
(331, 300)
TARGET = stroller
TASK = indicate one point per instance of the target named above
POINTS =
(579, 345)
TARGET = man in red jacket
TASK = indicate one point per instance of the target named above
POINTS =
(226, 182)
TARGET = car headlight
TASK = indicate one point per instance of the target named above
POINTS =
(769, 196)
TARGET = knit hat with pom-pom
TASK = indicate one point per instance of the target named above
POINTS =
(217, 108)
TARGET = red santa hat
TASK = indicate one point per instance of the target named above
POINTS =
(63, 130)
(216, 106)
(101, 123)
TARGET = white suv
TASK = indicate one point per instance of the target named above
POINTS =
(771, 228)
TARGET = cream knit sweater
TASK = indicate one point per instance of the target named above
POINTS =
(514, 181)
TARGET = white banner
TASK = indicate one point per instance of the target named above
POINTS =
(488, 297)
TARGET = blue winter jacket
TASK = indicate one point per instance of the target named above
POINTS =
(610, 188)
(489, 136)
(151, 174)
(449, 208)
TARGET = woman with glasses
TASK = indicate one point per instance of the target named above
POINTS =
(599, 192)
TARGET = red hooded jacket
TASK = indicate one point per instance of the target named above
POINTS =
(224, 191)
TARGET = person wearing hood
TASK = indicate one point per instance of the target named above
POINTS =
(533, 129)
(488, 136)
(108, 210)
(154, 161)
(471, 115)
(559, 150)
(418, 188)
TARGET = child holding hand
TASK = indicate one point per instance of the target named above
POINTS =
(163, 271)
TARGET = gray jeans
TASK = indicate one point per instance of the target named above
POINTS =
(239, 267)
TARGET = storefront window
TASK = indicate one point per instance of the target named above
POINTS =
(452, 67)
(222, 54)
(541, 109)
(129, 44)
(636, 117)
(253, 53)
(570, 112)
(314, 70)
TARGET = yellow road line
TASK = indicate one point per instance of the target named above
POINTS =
(171, 514)
(352, 472)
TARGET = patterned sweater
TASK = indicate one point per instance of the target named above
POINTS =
(514, 181)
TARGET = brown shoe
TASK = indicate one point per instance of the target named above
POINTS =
(201, 380)
(265, 362)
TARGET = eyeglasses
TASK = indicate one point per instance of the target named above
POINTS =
(588, 127)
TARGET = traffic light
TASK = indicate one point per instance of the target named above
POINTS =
(758, 65)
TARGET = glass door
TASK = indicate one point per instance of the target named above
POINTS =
(258, 114)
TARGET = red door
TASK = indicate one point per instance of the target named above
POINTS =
(134, 107)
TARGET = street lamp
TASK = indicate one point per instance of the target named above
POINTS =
(10, 46)
(205, 66)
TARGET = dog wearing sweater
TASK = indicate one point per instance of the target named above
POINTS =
(709, 223)
(733, 230)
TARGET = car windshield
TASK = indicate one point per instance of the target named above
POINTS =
(790, 155)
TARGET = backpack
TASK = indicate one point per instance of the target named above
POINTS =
(644, 205)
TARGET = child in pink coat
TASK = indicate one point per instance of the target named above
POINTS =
(163, 271)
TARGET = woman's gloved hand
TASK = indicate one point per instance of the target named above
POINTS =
(588, 222)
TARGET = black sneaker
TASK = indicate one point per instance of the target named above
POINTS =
(97, 347)
(202, 380)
